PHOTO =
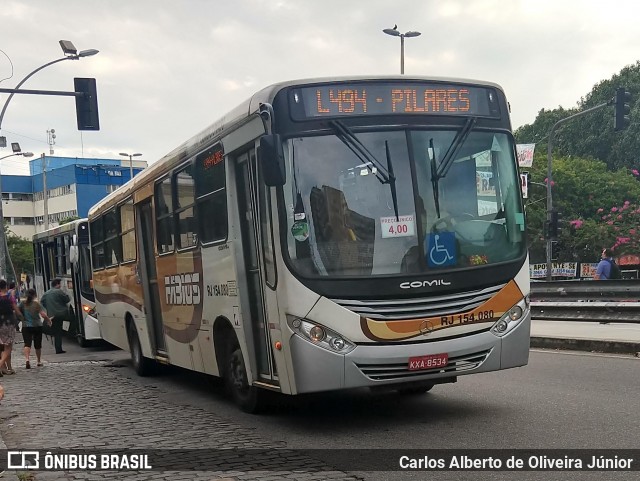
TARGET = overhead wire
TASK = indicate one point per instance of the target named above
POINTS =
(10, 63)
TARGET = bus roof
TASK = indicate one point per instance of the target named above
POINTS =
(235, 118)
(54, 231)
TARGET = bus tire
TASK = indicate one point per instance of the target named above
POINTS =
(82, 342)
(141, 364)
(415, 390)
(245, 396)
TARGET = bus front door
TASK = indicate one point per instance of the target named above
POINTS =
(149, 275)
(258, 331)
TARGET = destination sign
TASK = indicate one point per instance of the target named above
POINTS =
(343, 100)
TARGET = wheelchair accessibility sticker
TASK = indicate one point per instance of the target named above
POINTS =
(441, 249)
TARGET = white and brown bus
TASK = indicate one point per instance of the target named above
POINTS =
(325, 234)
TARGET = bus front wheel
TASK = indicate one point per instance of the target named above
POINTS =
(82, 342)
(415, 390)
(141, 364)
(245, 396)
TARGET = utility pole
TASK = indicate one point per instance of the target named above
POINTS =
(44, 188)
(550, 240)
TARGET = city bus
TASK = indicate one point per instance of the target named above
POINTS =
(325, 234)
(63, 252)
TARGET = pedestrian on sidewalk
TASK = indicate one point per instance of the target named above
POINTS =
(7, 368)
(9, 312)
(56, 301)
(604, 268)
(33, 313)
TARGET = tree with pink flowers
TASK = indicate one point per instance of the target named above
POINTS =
(600, 208)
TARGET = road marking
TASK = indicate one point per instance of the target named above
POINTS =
(592, 354)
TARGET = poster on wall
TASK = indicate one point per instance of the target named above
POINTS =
(563, 269)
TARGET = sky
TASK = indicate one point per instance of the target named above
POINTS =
(168, 69)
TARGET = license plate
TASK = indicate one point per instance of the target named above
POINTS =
(428, 362)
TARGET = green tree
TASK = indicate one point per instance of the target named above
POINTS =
(584, 191)
(592, 136)
(21, 253)
(66, 220)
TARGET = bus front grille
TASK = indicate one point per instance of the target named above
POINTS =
(400, 371)
(430, 306)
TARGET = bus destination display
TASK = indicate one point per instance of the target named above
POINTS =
(340, 100)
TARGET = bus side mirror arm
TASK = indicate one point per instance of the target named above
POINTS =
(271, 158)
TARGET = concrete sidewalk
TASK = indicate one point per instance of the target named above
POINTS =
(623, 338)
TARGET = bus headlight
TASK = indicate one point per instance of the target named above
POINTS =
(511, 318)
(320, 336)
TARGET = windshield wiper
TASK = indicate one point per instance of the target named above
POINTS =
(392, 180)
(385, 176)
(440, 171)
(457, 142)
(434, 178)
(349, 139)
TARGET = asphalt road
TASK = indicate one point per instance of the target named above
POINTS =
(561, 400)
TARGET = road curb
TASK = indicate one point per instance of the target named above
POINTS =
(590, 345)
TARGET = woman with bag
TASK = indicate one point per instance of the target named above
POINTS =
(32, 326)
(8, 313)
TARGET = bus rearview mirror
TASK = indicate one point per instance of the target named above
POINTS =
(73, 254)
(271, 157)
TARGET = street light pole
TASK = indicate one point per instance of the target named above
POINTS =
(4, 247)
(131, 156)
(549, 244)
(70, 54)
(394, 33)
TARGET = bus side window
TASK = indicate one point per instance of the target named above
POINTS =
(97, 245)
(164, 216)
(211, 195)
(185, 198)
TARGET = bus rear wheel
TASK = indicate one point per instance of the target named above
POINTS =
(245, 396)
(141, 364)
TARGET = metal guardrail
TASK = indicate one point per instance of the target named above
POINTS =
(598, 301)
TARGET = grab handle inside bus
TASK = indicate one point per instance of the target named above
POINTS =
(271, 157)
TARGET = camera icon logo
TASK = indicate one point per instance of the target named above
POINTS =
(23, 460)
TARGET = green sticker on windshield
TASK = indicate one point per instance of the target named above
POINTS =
(300, 231)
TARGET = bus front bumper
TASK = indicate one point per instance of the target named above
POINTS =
(317, 369)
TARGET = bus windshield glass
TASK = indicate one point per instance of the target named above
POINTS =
(403, 201)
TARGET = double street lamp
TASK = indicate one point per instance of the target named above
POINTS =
(131, 156)
(4, 248)
(394, 33)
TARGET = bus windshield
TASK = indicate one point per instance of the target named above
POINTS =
(402, 201)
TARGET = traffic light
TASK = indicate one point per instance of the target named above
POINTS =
(555, 224)
(86, 104)
(622, 109)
